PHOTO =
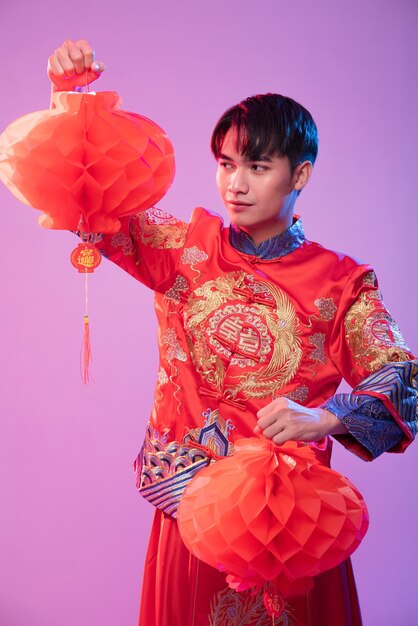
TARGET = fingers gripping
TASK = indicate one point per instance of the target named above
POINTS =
(73, 64)
(273, 418)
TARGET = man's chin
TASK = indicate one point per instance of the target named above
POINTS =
(239, 219)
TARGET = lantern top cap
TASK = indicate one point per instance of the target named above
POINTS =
(73, 100)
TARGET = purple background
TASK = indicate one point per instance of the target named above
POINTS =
(73, 530)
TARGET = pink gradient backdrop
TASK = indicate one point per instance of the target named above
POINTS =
(73, 529)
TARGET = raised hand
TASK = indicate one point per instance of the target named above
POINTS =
(73, 65)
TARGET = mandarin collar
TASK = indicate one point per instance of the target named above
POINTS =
(273, 248)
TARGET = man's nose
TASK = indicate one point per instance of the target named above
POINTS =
(238, 182)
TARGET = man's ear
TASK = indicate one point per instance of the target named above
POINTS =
(301, 175)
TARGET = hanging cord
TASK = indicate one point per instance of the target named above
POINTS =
(85, 356)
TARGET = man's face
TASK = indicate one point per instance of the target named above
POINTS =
(258, 195)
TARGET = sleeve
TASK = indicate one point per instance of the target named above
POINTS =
(148, 246)
(368, 349)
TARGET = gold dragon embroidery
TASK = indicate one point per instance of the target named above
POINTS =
(158, 229)
(229, 608)
(372, 334)
(264, 321)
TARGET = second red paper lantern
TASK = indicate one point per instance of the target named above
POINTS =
(271, 514)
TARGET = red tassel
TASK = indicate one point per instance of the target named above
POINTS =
(86, 350)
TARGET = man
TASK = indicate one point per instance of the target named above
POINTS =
(257, 326)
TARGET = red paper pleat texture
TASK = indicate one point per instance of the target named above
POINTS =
(86, 163)
(271, 513)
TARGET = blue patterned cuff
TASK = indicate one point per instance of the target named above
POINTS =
(367, 420)
(90, 237)
(381, 412)
(396, 384)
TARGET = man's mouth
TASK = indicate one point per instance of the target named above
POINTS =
(237, 203)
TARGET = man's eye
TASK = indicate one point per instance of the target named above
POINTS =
(258, 168)
(225, 164)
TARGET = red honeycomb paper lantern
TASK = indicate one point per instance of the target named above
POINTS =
(85, 163)
(271, 514)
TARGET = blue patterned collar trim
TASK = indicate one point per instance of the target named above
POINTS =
(273, 248)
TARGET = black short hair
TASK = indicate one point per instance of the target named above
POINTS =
(269, 125)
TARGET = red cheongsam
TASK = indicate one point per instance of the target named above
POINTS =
(236, 331)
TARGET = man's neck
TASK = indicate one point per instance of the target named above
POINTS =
(260, 233)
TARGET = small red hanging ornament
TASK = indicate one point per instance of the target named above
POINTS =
(85, 163)
(86, 257)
